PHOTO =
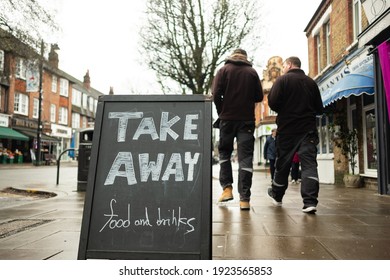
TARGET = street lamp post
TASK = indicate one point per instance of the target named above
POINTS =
(39, 129)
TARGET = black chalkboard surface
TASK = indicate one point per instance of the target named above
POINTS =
(149, 184)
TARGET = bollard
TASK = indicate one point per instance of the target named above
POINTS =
(58, 162)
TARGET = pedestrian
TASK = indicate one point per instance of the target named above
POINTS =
(236, 88)
(295, 169)
(270, 151)
(297, 100)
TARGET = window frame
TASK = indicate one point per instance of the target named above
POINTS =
(35, 113)
(54, 81)
(317, 40)
(53, 113)
(64, 87)
(63, 115)
(21, 102)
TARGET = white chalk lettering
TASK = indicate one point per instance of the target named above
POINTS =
(123, 121)
(126, 159)
(191, 163)
(146, 126)
(168, 218)
(143, 221)
(189, 127)
(177, 170)
(165, 126)
(116, 223)
(147, 167)
(174, 220)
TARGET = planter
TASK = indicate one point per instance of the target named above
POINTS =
(19, 159)
(353, 181)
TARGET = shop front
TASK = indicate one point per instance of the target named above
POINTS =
(12, 143)
(377, 38)
(348, 89)
(64, 134)
(29, 128)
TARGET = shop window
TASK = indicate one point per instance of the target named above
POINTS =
(368, 99)
(324, 124)
(370, 141)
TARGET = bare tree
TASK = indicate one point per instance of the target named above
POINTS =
(27, 22)
(184, 40)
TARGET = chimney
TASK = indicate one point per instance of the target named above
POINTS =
(111, 91)
(53, 55)
(87, 80)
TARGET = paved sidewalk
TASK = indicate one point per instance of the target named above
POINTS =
(349, 224)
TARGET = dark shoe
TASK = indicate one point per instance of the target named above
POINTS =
(309, 209)
(244, 205)
(271, 195)
(227, 194)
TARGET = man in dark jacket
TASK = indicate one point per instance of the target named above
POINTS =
(270, 151)
(297, 100)
(236, 89)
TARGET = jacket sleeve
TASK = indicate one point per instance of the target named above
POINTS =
(275, 97)
(259, 95)
(217, 91)
(318, 101)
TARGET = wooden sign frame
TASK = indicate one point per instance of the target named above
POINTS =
(177, 125)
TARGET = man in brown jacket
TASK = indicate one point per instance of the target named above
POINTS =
(236, 89)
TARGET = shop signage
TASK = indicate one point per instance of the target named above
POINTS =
(374, 8)
(4, 120)
(351, 65)
(61, 131)
(16, 122)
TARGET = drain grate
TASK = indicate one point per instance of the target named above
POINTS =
(19, 225)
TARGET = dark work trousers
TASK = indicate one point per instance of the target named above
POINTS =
(295, 171)
(243, 132)
(272, 167)
(306, 147)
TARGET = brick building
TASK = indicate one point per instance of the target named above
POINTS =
(344, 71)
(265, 117)
(67, 104)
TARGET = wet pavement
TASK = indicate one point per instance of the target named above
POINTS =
(352, 224)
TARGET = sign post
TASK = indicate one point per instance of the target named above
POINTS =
(149, 184)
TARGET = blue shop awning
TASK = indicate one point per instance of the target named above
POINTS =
(356, 83)
(9, 133)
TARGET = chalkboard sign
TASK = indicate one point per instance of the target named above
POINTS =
(148, 193)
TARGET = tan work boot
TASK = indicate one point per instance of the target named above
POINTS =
(244, 205)
(227, 194)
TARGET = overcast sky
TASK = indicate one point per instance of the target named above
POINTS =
(101, 36)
